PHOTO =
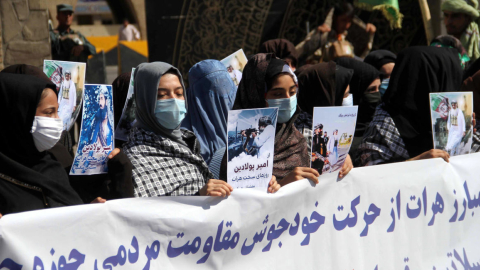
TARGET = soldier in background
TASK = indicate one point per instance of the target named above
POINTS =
(67, 44)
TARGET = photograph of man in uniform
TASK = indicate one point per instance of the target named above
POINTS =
(101, 128)
(67, 98)
(456, 128)
(266, 131)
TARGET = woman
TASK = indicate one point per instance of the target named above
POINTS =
(383, 61)
(365, 89)
(210, 96)
(401, 128)
(166, 160)
(269, 82)
(322, 85)
(30, 178)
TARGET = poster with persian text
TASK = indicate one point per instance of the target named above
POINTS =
(333, 130)
(69, 77)
(96, 135)
(251, 139)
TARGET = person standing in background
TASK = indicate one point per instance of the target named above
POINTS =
(128, 32)
(67, 44)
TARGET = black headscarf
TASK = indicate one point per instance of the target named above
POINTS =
(472, 69)
(20, 159)
(379, 58)
(120, 90)
(317, 87)
(418, 72)
(343, 76)
(363, 75)
(290, 145)
(62, 151)
(282, 49)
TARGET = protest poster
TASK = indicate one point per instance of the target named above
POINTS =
(235, 64)
(96, 134)
(127, 120)
(251, 139)
(407, 215)
(452, 128)
(69, 77)
(333, 130)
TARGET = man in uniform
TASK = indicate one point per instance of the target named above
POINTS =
(460, 18)
(67, 44)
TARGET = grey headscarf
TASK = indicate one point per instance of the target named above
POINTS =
(147, 77)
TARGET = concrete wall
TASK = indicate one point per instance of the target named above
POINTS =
(24, 32)
(100, 30)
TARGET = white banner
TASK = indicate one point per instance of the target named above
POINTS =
(409, 215)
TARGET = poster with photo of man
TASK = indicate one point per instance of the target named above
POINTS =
(235, 63)
(251, 139)
(333, 130)
(452, 128)
(97, 134)
(69, 77)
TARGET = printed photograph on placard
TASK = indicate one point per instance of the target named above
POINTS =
(96, 135)
(127, 120)
(251, 139)
(69, 77)
(235, 64)
(333, 130)
(452, 128)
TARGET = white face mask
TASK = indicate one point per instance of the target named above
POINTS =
(46, 132)
(348, 101)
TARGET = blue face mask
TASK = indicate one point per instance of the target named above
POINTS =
(384, 86)
(286, 107)
(170, 112)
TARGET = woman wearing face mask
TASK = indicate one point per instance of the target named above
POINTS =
(30, 178)
(364, 87)
(401, 128)
(383, 61)
(322, 85)
(166, 160)
(269, 82)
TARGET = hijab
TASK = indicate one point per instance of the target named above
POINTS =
(290, 149)
(20, 159)
(418, 72)
(146, 79)
(343, 76)
(120, 90)
(317, 84)
(379, 58)
(282, 49)
(62, 151)
(210, 95)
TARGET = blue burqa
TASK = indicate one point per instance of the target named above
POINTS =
(210, 96)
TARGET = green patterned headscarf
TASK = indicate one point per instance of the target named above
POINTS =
(470, 38)
(389, 9)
